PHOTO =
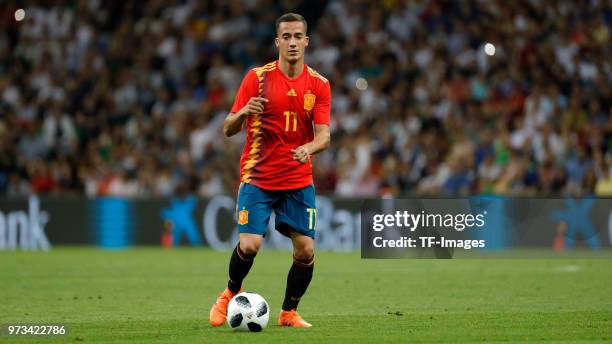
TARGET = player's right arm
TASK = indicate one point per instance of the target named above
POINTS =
(235, 120)
(248, 102)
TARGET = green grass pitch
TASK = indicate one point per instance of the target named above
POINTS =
(151, 295)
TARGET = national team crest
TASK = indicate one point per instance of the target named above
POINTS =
(309, 101)
(243, 217)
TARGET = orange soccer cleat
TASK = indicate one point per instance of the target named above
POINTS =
(292, 318)
(218, 312)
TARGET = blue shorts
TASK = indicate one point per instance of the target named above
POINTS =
(294, 210)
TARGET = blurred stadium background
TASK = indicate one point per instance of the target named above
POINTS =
(123, 98)
(109, 109)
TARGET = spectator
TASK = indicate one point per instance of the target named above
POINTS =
(126, 98)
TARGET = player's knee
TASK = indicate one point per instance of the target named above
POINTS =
(304, 253)
(250, 248)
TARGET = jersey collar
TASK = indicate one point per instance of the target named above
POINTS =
(304, 71)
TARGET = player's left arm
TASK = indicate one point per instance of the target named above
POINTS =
(319, 143)
(321, 140)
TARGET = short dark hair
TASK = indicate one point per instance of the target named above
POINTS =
(291, 17)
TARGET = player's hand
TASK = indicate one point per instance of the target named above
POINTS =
(301, 154)
(254, 106)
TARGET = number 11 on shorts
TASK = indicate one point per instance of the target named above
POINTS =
(312, 217)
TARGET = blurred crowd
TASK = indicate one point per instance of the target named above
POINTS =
(446, 98)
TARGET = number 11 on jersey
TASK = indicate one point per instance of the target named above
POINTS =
(288, 116)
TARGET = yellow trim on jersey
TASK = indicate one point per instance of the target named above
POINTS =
(314, 73)
(256, 126)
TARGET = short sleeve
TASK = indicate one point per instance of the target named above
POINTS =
(248, 89)
(322, 106)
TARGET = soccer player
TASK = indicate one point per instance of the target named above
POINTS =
(285, 107)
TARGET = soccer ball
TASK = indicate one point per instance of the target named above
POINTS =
(248, 312)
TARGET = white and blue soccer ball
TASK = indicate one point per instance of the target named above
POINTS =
(248, 312)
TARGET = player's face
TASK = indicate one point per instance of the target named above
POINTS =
(291, 41)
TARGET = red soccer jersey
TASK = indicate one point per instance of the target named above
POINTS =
(293, 106)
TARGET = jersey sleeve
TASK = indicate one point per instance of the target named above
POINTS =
(322, 106)
(248, 89)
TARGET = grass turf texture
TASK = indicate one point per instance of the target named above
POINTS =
(150, 295)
